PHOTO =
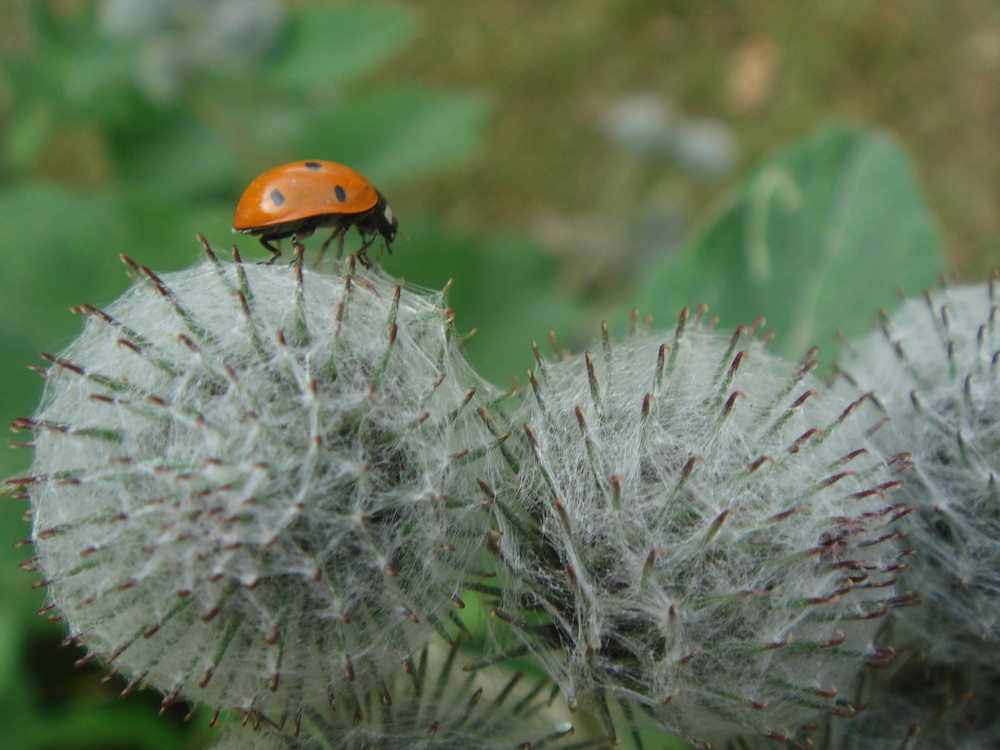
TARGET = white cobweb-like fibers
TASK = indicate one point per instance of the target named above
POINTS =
(695, 527)
(248, 489)
(934, 371)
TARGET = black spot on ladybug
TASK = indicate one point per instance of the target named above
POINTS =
(277, 198)
(314, 165)
(341, 193)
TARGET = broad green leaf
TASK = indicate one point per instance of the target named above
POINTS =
(333, 43)
(816, 241)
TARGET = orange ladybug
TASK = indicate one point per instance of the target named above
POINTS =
(296, 199)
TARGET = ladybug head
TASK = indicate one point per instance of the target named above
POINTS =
(386, 222)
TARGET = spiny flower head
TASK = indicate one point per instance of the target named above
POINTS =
(934, 371)
(449, 710)
(247, 482)
(696, 527)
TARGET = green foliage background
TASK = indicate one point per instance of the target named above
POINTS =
(130, 126)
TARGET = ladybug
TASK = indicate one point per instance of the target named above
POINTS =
(296, 199)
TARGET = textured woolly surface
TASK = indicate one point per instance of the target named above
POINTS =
(933, 370)
(491, 710)
(248, 490)
(696, 527)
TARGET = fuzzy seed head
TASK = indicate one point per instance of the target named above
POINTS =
(934, 370)
(697, 527)
(247, 487)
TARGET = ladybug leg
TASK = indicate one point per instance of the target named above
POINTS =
(275, 252)
(362, 253)
(339, 233)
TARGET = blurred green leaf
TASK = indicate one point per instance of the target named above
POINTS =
(29, 132)
(817, 240)
(99, 80)
(86, 725)
(181, 159)
(59, 247)
(397, 133)
(504, 286)
(72, 72)
(332, 43)
(12, 622)
(60, 242)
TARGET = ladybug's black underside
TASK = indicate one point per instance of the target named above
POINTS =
(370, 224)
(364, 221)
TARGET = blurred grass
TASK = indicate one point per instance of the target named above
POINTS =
(124, 128)
(773, 70)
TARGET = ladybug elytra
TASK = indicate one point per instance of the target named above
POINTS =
(294, 200)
